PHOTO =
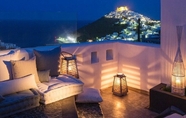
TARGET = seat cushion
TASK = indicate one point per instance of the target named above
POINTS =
(18, 102)
(59, 88)
(48, 60)
(89, 95)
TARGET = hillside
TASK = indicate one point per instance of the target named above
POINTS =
(99, 28)
(122, 24)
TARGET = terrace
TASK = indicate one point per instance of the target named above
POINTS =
(145, 65)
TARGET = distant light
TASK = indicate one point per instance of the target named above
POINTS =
(90, 40)
(71, 39)
(120, 9)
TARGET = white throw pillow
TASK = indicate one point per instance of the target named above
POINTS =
(89, 95)
(22, 68)
(16, 85)
(5, 66)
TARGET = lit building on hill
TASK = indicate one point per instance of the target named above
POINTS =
(121, 9)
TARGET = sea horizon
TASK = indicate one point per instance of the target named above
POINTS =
(32, 33)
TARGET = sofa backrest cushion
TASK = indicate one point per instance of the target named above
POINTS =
(17, 85)
(22, 68)
(48, 60)
(5, 66)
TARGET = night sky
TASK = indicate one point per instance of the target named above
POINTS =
(90, 10)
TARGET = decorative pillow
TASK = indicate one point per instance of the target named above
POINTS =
(1, 98)
(44, 76)
(48, 60)
(16, 85)
(89, 95)
(5, 66)
(24, 67)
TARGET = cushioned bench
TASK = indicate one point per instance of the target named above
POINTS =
(59, 88)
(18, 102)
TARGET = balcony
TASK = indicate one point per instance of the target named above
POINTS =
(145, 65)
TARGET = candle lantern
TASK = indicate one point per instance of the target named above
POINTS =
(178, 71)
(119, 87)
(69, 64)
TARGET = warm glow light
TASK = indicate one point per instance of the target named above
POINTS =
(90, 40)
(118, 105)
(120, 9)
(120, 74)
(178, 81)
(118, 81)
(69, 68)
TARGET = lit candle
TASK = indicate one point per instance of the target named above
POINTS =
(178, 82)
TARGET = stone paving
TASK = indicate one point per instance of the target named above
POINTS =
(133, 105)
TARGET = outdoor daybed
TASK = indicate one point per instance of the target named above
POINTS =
(29, 77)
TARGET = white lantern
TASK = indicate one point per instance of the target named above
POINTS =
(178, 71)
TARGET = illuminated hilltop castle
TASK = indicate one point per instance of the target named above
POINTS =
(121, 9)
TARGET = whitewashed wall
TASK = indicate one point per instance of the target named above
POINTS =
(140, 62)
(99, 74)
(173, 13)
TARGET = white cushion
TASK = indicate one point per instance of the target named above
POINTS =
(59, 88)
(16, 85)
(89, 95)
(22, 68)
(5, 66)
(175, 115)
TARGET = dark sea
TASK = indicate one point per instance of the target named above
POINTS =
(31, 33)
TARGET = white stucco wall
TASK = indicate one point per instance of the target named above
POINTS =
(173, 13)
(140, 62)
(99, 74)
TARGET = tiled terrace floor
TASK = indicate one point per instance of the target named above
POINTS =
(133, 105)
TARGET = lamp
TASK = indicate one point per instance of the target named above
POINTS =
(178, 71)
(68, 64)
(119, 87)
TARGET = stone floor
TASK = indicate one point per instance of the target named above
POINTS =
(133, 105)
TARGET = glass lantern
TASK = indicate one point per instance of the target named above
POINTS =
(69, 64)
(119, 87)
(178, 71)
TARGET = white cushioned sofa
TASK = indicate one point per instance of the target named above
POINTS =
(31, 76)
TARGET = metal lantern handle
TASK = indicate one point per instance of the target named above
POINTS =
(66, 54)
